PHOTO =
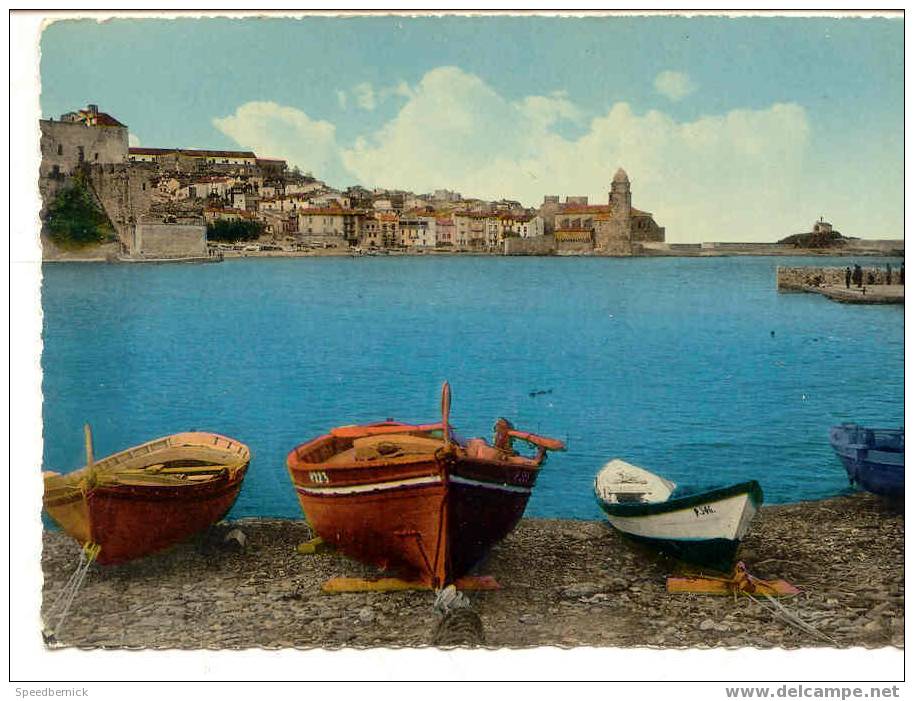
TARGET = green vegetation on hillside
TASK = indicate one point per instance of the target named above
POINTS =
(231, 231)
(75, 220)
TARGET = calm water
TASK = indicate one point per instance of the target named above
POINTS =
(667, 363)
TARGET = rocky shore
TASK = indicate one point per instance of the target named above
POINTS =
(564, 583)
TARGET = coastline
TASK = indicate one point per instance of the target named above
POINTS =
(428, 254)
(564, 583)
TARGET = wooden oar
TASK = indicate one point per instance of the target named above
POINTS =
(446, 412)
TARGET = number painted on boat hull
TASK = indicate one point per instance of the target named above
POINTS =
(703, 510)
(318, 477)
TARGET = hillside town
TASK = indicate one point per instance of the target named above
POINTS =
(170, 202)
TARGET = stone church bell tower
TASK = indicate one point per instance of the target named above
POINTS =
(620, 195)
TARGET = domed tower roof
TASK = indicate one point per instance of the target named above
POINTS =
(621, 176)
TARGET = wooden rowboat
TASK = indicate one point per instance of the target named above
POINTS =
(147, 498)
(872, 457)
(704, 528)
(415, 499)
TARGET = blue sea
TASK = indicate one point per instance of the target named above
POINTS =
(695, 368)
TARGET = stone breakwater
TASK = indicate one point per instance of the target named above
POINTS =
(565, 583)
(801, 278)
(831, 282)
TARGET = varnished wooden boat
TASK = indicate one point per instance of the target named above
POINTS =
(147, 498)
(414, 499)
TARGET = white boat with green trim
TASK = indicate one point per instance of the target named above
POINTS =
(703, 528)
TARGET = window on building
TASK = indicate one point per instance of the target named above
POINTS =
(82, 154)
(96, 155)
(59, 149)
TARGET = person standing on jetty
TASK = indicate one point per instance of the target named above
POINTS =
(888, 273)
(858, 275)
(847, 277)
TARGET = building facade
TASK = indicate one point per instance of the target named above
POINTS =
(614, 229)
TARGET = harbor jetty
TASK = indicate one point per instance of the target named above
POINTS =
(564, 583)
(874, 287)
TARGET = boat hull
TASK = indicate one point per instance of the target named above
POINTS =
(873, 460)
(704, 529)
(428, 520)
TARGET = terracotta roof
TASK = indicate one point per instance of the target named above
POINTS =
(218, 154)
(199, 153)
(143, 151)
(103, 119)
(570, 229)
(586, 209)
(328, 210)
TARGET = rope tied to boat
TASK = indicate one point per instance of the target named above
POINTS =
(446, 454)
(65, 598)
(778, 610)
(459, 624)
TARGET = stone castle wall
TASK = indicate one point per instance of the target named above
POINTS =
(126, 191)
(574, 248)
(531, 246)
(170, 240)
(67, 145)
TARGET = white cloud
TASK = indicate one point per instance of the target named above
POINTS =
(401, 89)
(674, 85)
(277, 131)
(364, 96)
(747, 174)
(133, 140)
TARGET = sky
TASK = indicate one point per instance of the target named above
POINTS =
(731, 129)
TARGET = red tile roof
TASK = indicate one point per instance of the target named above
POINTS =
(328, 211)
(103, 119)
(585, 209)
(199, 153)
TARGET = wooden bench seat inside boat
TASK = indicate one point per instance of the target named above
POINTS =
(173, 457)
(385, 447)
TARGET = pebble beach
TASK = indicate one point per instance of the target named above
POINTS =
(563, 583)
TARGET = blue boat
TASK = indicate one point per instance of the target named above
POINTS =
(873, 457)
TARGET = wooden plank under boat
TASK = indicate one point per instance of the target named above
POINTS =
(872, 457)
(703, 528)
(149, 497)
(413, 498)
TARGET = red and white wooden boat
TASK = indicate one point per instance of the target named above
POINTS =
(414, 499)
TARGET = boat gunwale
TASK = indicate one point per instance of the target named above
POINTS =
(234, 469)
(751, 488)
(172, 441)
(534, 464)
